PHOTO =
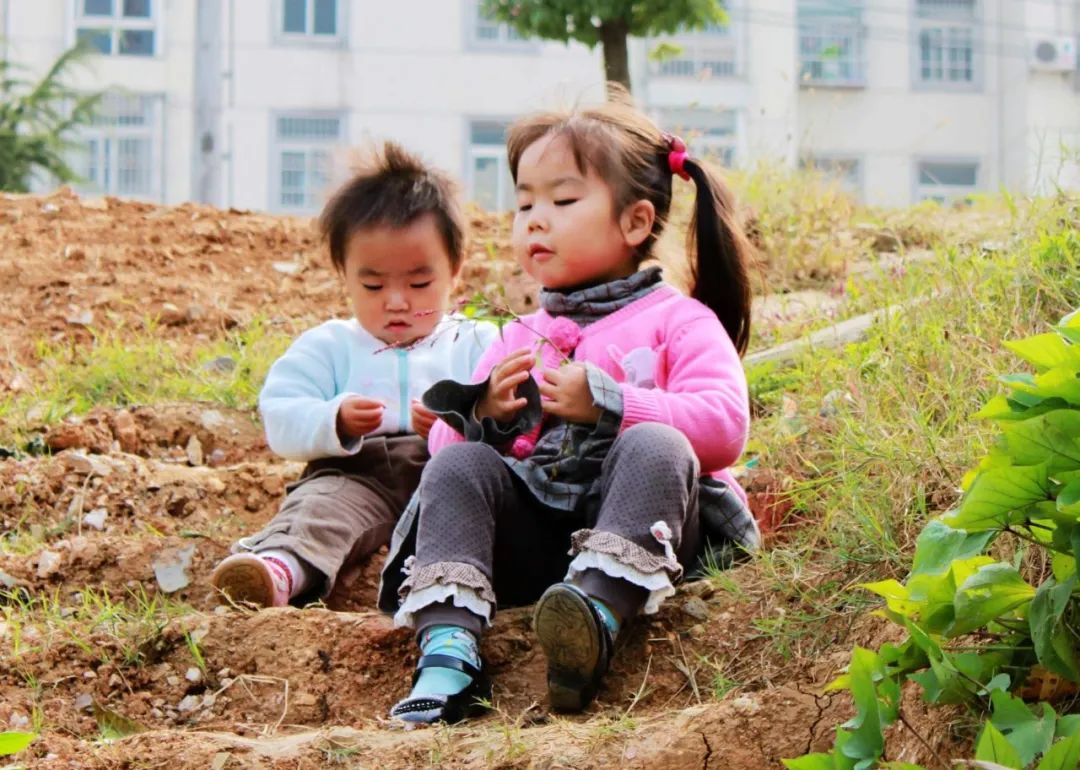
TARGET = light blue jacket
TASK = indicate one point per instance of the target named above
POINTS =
(299, 400)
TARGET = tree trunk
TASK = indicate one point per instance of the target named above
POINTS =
(613, 35)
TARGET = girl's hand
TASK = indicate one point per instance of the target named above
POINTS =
(566, 394)
(501, 401)
(422, 419)
(358, 416)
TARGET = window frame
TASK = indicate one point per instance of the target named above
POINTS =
(475, 151)
(154, 131)
(699, 48)
(820, 162)
(681, 121)
(278, 146)
(311, 39)
(922, 20)
(504, 44)
(954, 193)
(815, 16)
(117, 23)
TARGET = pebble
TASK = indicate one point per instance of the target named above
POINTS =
(194, 451)
(96, 518)
(212, 419)
(746, 705)
(115, 680)
(48, 564)
(18, 721)
(174, 680)
(189, 703)
(193, 675)
(171, 568)
(695, 607)
(157, 713)
(224, 673)
(84, 702)
(88, 674)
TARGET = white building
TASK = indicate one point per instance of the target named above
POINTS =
(252, 103)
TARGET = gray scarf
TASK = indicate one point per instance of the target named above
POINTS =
(593, 303)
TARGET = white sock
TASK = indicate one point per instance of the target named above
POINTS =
(298, 569)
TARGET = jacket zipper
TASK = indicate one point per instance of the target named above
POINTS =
(403, 389)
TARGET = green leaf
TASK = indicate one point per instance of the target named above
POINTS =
(1052, 438)
(1053, 640)
(114, 725)
(1070, 327)
(1068, 498)
(995, 747)
(1046, 351)
(995, 494)
(868, 681)
(939, 545)
(1068, 726)
(1063, 755)
(990, 593)
(13, 743)
(1027, 733)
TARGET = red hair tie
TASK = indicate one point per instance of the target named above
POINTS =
(677, 156)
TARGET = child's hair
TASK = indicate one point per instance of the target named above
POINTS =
(630, 153)
(391, 187)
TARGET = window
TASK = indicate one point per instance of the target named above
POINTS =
(846, 173)
(483, 32)
(121, 151)
(303, 153)
(711, 134)
(488, 172)
(310, 19)
(946, 181)
(708, 53)
(947, 42)
(117, 27)
(831, 43)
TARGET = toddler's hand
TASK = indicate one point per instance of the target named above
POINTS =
(501, 401)
(422, 419)
(566, 394)
(358, 416)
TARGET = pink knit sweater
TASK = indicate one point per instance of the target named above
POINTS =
(672, 358)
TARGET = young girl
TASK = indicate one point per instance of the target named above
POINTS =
(585, 468)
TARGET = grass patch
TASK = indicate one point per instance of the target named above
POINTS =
(123, 368)
(871, 467)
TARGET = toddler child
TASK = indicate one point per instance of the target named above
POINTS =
(344, 397)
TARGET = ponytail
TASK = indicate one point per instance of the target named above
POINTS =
(720, 253)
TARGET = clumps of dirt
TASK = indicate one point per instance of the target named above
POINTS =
(185, 432)
(71, 267)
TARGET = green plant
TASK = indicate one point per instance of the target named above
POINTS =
(977, 622)
(13, 743)
(37, 120)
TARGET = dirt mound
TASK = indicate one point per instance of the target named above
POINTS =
(71, 266)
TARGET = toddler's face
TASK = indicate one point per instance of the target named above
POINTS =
(398, 279)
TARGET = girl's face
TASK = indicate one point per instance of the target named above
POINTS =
(565, 231)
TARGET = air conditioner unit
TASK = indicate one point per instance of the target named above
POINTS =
(1053, 54)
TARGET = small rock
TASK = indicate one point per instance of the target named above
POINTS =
(696, 608)
(195, 312)
(48, 564)
(189, 703)
(77, 462)
(84, 702)
(220, 365)
(125, 431)
(194, 451)
(157, 713)
(158, 702)
(193, 675)
(171, 315)
(209, 700)
(744, 704)
(18, 721)
(216, 458)
(224, 673)
(305, 699)
(7, 581)
(211, 419)
(173, 681)
(96, 519)
(89, 674)
(19, 383)
(115, 681)
(702, 588)
(288, 268)
(50, 209)
(697, 631)
(80, 318)
(171, 568)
